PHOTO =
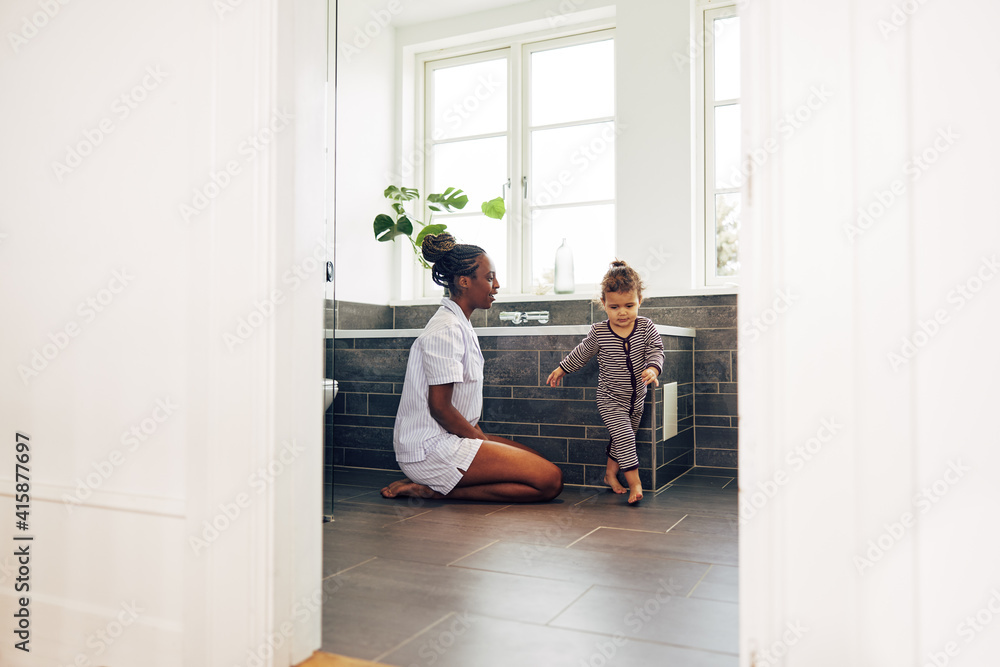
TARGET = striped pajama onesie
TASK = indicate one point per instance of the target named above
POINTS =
(620, 389)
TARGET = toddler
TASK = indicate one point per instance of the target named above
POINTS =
(630, 355)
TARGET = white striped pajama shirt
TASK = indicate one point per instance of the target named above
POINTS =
(447, 351)
(620, 389)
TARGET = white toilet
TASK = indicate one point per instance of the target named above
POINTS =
(329, 393)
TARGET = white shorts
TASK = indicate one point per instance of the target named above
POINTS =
(440, 470)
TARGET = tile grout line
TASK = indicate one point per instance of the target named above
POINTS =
(469, 554)
(678, 521)
(636, 530)
(662, 490)
(498, 510)
(697, 583)
(577, 599)
(727, 483)
(580, 538)
(406, 519)
(406, 641)
(339, 572)
(585, 500)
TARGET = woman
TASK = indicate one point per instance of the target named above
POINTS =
(439, 445)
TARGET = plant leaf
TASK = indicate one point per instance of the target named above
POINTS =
(386, 229)
(410, 193)
(398, 208)
(391, 192)
(450, 200)
(429, 229)
(494, 208)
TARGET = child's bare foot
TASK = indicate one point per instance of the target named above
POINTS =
(404, 488)
(634, 494)
(612, 481)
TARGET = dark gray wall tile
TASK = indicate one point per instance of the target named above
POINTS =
(716, 339)
(597, 433)
(383, 404)
(706, 387)
(728, 387)
(553, 449)
(562, 393)
(716, 458)
(540, 411)
(357, 404)
(365, 420)
(694, 317)
(703, 420)
(572, 473)
(677, 367)
(362, 437)
(353, 315)
(497, 391)
(510, 367)
(585, 377)
(394, 343)
(715, 404)
(679, 301)
(562, 430)
(712, 437)
(588, 451)
(510, 429)
(347, 385)
(370, 458)
(371, 365)
(413, 317)
(712, 366)
(563, 343)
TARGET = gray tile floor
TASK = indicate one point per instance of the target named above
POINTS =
(583, 580)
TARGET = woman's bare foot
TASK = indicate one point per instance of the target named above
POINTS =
(404, 488)
(612, 481)
(634, 494)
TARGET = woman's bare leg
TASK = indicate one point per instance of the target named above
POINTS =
(500, 472)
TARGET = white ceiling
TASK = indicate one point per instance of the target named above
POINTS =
(422, 11)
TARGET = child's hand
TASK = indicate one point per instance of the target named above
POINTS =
(555, 377)
(650, 376)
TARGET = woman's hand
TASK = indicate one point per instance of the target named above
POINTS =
(650, 375)
(555, 377)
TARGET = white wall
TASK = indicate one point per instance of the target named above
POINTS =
(866, 479)
(150, 355)
(365, 111)
(655, 232)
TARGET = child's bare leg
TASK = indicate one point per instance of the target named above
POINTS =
(634, 486)
(611, 476)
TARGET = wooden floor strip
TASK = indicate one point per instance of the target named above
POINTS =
(320, 659)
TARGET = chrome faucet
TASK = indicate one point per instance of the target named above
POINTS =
(518, 317)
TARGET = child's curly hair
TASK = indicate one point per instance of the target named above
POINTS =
(621, 278)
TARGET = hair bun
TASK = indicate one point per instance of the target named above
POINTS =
(436, 246)
(618, 263)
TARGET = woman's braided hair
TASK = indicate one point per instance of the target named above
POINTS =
(621, 278)
(449, 258)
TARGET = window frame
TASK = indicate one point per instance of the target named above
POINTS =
(518, 48)
(704, 81)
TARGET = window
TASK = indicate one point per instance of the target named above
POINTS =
(533, 122)
(719, 87)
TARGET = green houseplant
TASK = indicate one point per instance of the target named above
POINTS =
(388, 228)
